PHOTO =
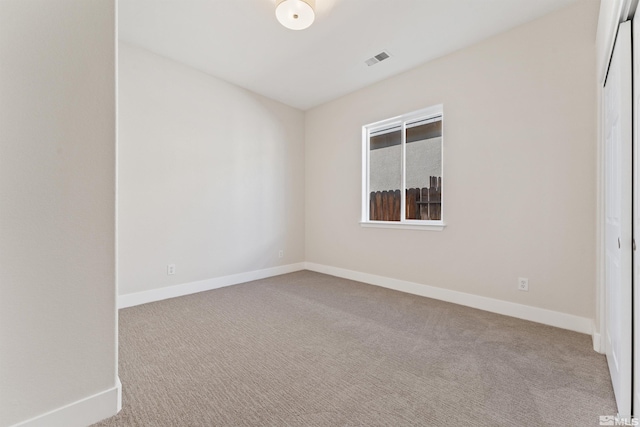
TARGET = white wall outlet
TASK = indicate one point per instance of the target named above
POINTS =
(171, 269)
(280, 253)
(523, 284)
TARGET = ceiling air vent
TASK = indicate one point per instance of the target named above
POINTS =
(377, 58)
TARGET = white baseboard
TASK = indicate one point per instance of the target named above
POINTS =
(81, 413)
(119, 387)
(130, 300)
(534, 314)
(597, 342)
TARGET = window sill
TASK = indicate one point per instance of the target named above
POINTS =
(433, 226)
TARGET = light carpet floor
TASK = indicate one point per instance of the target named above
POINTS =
(307, 349)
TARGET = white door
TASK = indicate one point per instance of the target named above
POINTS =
(636, 217)
(618, 218)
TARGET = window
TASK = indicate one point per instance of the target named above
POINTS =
(402, 171)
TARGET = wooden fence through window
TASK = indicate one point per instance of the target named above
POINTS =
(421, 203)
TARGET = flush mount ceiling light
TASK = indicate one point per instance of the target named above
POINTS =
(295, 14)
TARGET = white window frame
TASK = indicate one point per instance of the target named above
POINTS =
(414, 224)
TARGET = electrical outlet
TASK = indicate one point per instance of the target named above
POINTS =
(171, 269)
(523, 284)
(280, 253)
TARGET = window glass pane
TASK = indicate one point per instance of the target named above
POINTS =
(424, 169)
(385, 174)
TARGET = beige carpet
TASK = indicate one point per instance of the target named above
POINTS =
(306, 349)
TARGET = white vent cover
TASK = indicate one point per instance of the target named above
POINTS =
(377, 58)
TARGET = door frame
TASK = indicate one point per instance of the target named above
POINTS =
(619, 266)
(617, 12)
(612, 13)
(635, 110)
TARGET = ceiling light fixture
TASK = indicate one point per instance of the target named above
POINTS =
(295, 14)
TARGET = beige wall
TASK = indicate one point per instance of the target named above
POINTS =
(57, 205)
(519, 169)
(210, 176)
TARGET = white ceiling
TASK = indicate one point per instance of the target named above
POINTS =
(241, 41)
